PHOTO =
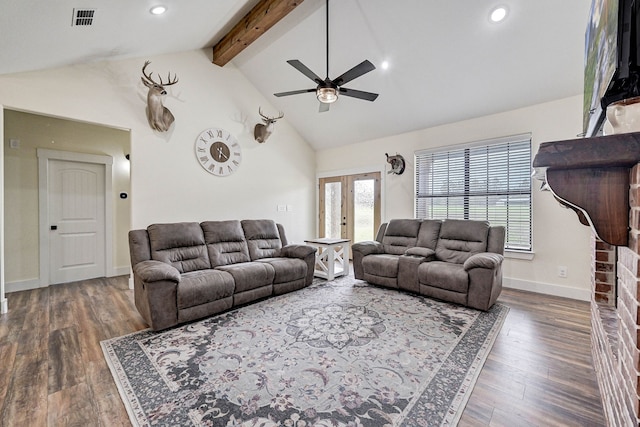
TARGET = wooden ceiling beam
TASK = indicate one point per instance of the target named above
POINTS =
(255, 23)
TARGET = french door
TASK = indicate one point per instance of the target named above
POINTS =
(350, 206)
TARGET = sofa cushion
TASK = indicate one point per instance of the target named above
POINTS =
(459, 239)
(263, 238)
(225, 242)
(384, 265)
(203, 286)
(400, 235)
(444, 275)
(180, 245)
(249, 275)
(428, 234)
(287, 269)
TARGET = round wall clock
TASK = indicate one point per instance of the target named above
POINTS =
(218, 152)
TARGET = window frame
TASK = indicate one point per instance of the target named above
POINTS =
(473, 199)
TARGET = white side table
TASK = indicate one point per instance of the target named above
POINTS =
(332, 257)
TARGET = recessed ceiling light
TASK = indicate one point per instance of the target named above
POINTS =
(158, 10)
(384, 65)
(498, 14)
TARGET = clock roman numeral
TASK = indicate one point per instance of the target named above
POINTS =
(230, 169)
(201, 150)
(212, 168)
(203, 159)
(221, 171)
(210, 133)
(219, 133)
(236, 164)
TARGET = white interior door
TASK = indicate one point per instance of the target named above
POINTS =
(76, 198)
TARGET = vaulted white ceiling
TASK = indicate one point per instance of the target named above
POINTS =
(448, 62)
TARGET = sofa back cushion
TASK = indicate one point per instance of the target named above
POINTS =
(180, 245)
(459, 239)
(400, 235)
(428, 234)
(263, 238)
(225, 242)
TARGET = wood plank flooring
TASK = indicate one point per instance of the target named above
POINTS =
(53, 372)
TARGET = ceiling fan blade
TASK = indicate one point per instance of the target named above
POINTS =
(360, 69)
(367, 96)
(294, 92)
(305, 70)
(323, 107)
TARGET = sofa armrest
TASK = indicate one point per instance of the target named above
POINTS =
(426, 253)
(485, 279)
(155, 271)
(488, 260)
(359, 251)
(368, 247)
(297, 251)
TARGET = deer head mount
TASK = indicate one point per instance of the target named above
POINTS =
(262, 131)
(396, 162)
(159, 116)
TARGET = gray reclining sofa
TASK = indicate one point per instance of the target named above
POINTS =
(187, 271)
(459, 261)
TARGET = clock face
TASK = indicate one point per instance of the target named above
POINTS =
(218, 152)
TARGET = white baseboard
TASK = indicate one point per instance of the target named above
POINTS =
(4, 306)
(25, 285)
(548, 289)
(21, 285)
(121, 271)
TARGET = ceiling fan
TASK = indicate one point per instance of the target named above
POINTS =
(327, 90)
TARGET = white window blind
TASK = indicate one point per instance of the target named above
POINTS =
(488, 180)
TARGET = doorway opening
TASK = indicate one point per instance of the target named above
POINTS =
(28, 132)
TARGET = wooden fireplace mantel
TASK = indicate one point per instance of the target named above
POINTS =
(591, 176)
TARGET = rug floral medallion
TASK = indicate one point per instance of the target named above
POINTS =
(340, 353)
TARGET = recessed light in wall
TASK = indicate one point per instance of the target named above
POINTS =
(158, 10)
(498, 14)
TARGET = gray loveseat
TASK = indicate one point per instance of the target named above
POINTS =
(458, 261)
(186, 271)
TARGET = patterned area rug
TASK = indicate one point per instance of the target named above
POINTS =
(339, 353)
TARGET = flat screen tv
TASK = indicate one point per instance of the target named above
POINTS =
(612, 59)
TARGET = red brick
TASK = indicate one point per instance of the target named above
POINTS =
(634, 174)
(634, 196)
(603, 288)
(603, 246)
(604, 266)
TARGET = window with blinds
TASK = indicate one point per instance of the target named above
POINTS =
(489, 180)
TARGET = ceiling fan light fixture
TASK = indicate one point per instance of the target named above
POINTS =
(327, 95)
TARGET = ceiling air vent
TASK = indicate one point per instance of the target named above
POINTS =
(82, 17)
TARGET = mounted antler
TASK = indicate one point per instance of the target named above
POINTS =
(160, 118)
(262, 131)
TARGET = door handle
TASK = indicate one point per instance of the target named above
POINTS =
(54, 227)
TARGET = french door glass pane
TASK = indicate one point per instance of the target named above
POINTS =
(363, 213)
(333, 200)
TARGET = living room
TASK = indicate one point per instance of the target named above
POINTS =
(167, 185)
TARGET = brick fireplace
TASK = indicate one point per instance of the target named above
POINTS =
(599, 178)
(615, 319)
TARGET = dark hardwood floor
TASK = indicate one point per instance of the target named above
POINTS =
(52, 370)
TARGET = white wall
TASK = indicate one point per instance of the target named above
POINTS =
(558, 237)
(167, 182)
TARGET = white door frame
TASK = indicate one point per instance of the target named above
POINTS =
(44, 156)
